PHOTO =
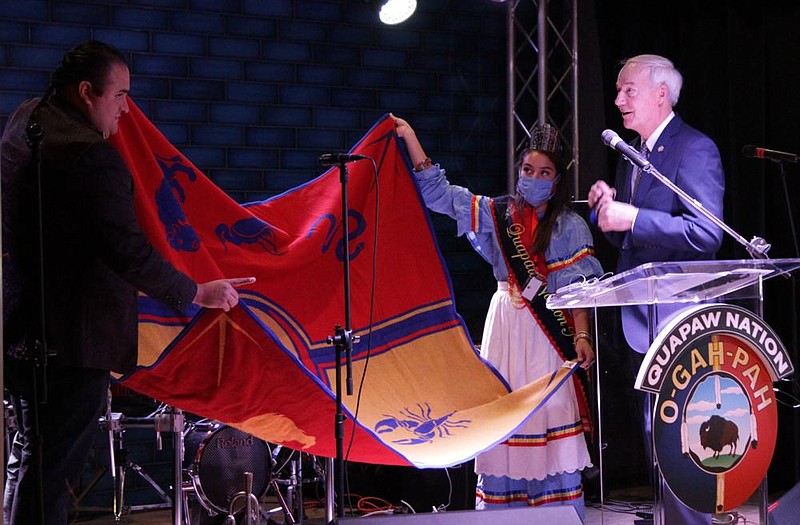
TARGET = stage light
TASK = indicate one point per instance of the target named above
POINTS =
(396, 11)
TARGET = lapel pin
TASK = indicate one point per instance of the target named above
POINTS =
(660, 149)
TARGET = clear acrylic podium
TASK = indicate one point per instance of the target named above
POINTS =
(670, 284)
(674, 282)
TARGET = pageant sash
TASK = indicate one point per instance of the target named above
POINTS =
(524, 267)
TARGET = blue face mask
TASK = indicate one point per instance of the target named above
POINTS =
(536, 191)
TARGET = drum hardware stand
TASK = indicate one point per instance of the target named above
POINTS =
(172, 420)
(186, 489)
(252, 508)
(119, 469)
(294, 491)
(287, 509)
(289, 503)
(294, 488)
(285, 506)
(116, 423)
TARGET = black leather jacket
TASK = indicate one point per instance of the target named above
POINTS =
(96, 257)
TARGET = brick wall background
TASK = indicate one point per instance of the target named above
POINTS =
(254, 91)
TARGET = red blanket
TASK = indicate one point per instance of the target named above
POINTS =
(423, 395)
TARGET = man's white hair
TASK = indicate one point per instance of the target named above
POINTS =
(662, 71)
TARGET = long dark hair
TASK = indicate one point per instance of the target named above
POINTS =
(91, 61)
(557, 203)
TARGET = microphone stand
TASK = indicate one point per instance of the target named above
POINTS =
(757, 247)
(343, 341)
(35, 348)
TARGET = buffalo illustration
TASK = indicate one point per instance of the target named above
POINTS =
(718, 433)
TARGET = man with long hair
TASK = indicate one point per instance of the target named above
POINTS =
(72, 283)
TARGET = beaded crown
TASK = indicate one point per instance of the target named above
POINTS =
(545, 137)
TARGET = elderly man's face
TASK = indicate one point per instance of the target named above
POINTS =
(643, 105)
(104, 110)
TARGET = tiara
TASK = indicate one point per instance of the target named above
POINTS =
(545, 137)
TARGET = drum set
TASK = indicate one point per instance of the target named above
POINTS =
(220, 472)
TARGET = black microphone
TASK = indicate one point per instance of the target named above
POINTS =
(334, 159)
(769, 154)
(612, 140)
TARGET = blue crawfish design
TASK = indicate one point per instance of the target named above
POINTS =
(420, 425)
(169, 196)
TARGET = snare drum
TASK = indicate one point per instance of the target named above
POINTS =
(216, 458)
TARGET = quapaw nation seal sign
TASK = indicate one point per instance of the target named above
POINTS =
(715, 419)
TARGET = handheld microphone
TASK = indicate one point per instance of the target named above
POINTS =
(612, 140)
(334, 159)
(769, 154)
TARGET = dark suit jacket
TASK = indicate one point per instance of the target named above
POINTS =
(667, 228)
(95, 255)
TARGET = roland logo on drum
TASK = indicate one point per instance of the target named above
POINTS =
(234, 442)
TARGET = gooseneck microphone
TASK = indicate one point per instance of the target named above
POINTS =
(757, 247)
(768, 154)
(334, 159)
(612, 140)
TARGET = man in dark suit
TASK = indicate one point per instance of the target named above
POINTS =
(94, 259)
(645, 219)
